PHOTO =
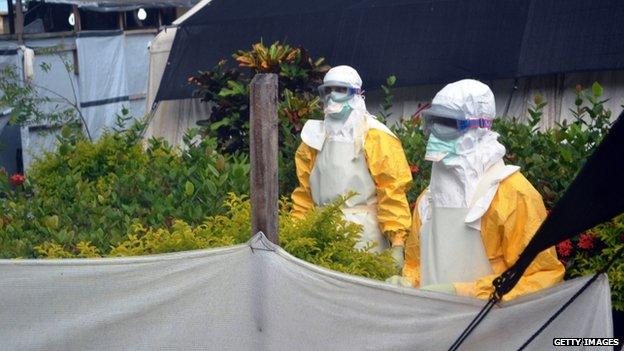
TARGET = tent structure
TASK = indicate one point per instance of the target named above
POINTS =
(173, 117)
(518, 47)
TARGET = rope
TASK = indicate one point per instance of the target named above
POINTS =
(578, 293)
(475, 322)
(497, 296)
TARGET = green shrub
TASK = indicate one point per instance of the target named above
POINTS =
(414, 144)
(324, 238)
(227, 89)
(550, 159)
(93, 192)
(589, 252)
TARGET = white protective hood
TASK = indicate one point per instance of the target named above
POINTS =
(354, 127)
(454, 182)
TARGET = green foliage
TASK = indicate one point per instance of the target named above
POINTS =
(591, 251)
(550, 159)
(93, 192)
(414, 144)
(323, 238)
(227, 89)
(31, 104)
(386, 104)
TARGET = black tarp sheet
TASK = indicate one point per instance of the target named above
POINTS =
(421, 42)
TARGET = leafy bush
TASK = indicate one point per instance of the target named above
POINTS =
(93, 192)
(323, 238)
(227, 89)
(550, 159)
(590, 251)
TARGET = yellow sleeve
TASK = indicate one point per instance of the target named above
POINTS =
(516, 213)
(301, 196)
(411, 268)
(388, 167)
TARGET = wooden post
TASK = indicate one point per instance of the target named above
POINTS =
(121, 19)
(11, 16)
(77, 22)
(160, 19)
(77, 28)
(19, 21)
(263, 154)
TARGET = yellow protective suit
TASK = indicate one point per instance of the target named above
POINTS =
(515, 214)
(389, 169)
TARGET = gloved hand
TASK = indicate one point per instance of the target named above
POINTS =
(443, 288)
(398, 254)
(399, 281)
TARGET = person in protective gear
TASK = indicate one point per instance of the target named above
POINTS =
(351, 151)
(478, 214)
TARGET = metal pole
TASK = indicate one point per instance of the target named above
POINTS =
(263, 154)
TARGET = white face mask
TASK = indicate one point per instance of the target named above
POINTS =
(332, 107)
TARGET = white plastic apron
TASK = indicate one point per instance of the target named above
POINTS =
(338, 170)
(450, 249)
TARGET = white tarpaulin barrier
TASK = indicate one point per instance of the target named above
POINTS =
(258, 297)
(103, 82)
(55, 83)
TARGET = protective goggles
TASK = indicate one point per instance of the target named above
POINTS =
(448, 128)
(337, 91)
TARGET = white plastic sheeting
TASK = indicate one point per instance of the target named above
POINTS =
(103, 81)
(261, 298)
(56, 83)
(112, 72)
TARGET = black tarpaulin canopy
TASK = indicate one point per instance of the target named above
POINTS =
(421, 42)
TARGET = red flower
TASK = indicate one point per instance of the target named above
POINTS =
(564, 248)
(586, 241)
(17, 179)
(414, 169)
